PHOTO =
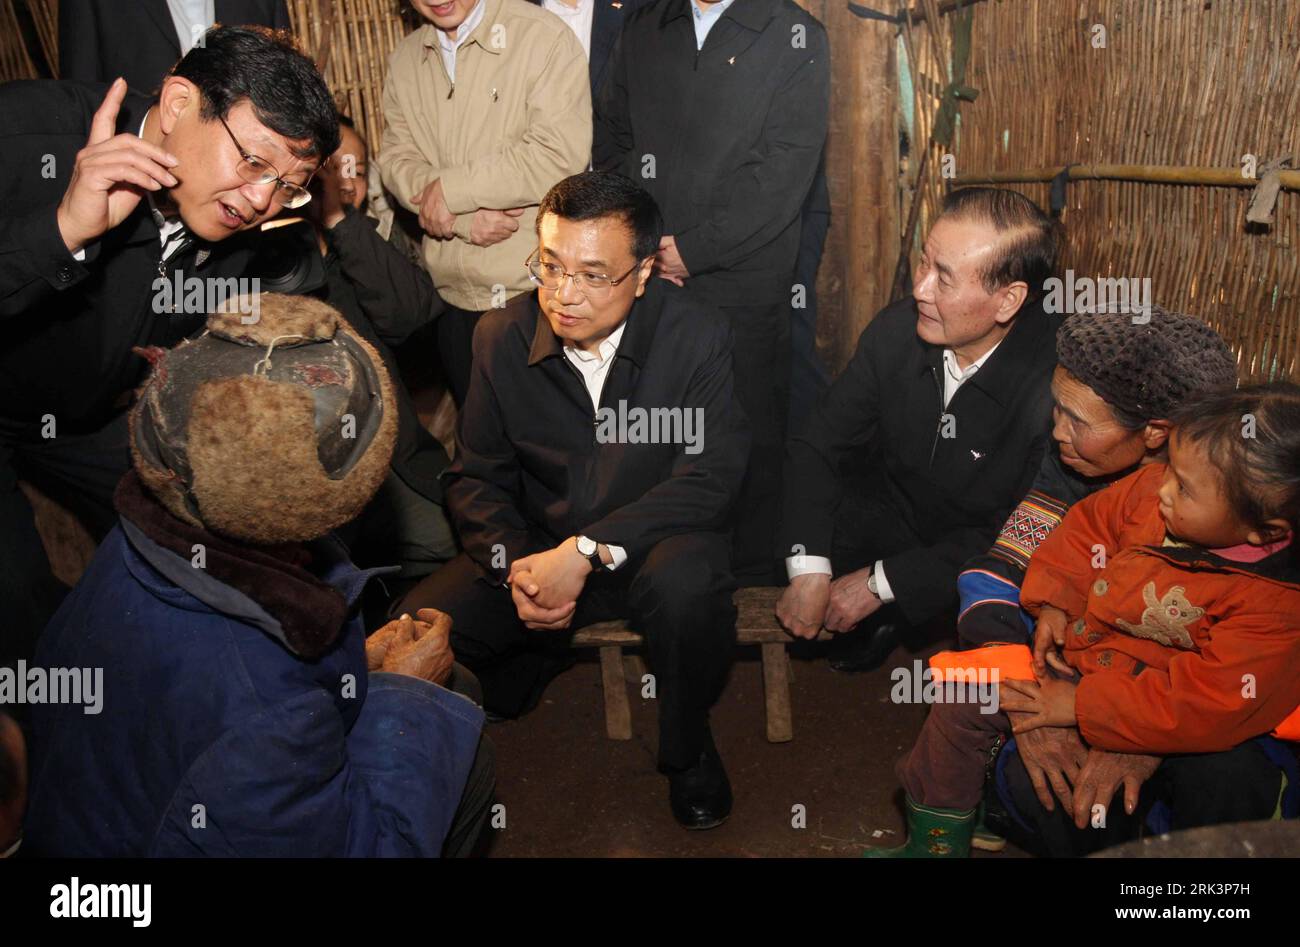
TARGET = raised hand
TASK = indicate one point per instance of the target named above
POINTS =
(111, 174)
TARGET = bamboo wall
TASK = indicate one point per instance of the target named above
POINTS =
(1178, 83)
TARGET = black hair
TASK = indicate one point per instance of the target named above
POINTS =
(1029, 251)
(595, 194)
(1252, 435)
(236, 63)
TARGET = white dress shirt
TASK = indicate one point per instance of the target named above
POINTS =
(953, 378)
(594, 367)
(448, 46)
(577, 17)
(704, 19)
(192, 19)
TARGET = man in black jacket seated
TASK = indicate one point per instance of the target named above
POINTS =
(599, 451)
(950, 389)
(108, 196)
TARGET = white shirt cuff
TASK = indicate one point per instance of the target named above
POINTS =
(619, 555)
(883, 591)
(807, 565)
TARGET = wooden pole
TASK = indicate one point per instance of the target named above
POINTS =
(862, 174)
(1150, 173)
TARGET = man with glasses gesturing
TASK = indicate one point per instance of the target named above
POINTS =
(562, 524)
(105, 193)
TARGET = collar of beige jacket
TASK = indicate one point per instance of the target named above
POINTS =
(491, 14)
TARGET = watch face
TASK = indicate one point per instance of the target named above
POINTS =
(586, 546)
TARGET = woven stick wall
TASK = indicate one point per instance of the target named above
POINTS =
(352, 40)
(1178, 83)
(15, 61)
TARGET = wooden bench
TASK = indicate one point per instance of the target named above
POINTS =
(755, 624)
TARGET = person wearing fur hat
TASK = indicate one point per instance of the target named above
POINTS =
(242, 709)
(109, 195)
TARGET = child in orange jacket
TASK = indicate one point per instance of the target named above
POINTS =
(1175, 594)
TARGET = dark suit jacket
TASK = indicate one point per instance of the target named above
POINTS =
(70, 326)
(100, 40)
(530, 468)
(954, 493)
(606, 23)
(735, 131)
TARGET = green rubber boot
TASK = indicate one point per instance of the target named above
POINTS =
(984, 838)
(932, 833)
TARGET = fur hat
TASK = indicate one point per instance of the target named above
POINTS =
(270, 432)
(1144, 371)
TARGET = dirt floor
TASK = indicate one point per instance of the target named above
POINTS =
(568, 790)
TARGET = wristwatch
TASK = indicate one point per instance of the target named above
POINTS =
(590, 549)
(872, 585)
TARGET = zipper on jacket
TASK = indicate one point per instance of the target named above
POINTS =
(938, 426)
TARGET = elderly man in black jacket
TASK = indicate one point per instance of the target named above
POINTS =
(719, 109)
(598, 455)
(950, 390)
(112, 203)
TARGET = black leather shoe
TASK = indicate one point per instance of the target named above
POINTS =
(701, 796)
(865, 649)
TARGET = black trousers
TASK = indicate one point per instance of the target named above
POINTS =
(678, 597)
(456, 349)
(79, 470)
(761, 359)
(1237, 785)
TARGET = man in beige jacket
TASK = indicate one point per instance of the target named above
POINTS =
(485, 107)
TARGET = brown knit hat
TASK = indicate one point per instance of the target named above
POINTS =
(1145, 371)
(270, 432)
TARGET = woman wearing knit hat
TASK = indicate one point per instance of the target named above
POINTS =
(1116, 383)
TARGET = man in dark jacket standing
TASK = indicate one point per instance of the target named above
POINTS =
(115, 210)
(719, 109)
(100, 40)
(598, 455)
(951, 389)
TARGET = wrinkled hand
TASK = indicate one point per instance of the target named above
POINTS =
(668, 262)
(851, 601)
(801, 609)
(493, 226)
(111, 174)
(419, 647)
(436, 220)
(1049, 631)
(1046, 703)
(1052, 755)
(1103, 773)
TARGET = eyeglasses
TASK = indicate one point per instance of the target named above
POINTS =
(551, 276)
(255, 170)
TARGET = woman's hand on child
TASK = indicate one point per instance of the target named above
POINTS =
(1102, 774)
(1049, 703)
(1049, 631)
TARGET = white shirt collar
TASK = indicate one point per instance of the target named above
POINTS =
(961, 374)
(168, 227)
(464, 30)
(604, 351)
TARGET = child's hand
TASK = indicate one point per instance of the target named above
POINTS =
(1051, 703)
(1049, 631)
